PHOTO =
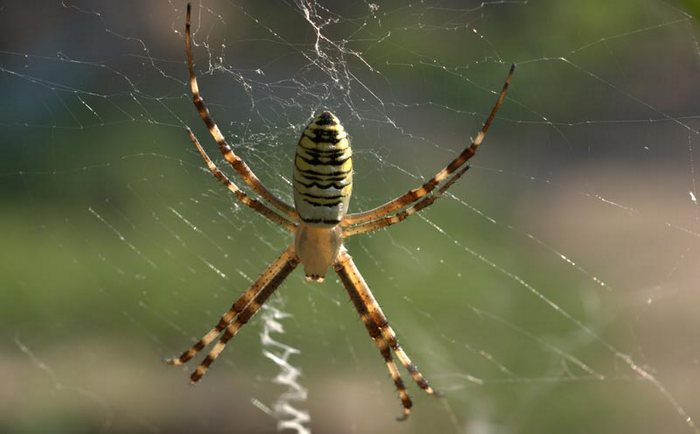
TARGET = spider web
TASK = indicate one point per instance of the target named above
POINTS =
(554, 289)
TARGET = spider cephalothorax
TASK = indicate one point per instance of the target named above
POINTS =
(319, 222)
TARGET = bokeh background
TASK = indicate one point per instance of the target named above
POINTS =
(555, 290)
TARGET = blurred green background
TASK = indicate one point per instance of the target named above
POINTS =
(555, 290)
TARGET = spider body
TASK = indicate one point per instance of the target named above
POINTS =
(323, 172)
(317, 248)
(319, 222)
(322, 189)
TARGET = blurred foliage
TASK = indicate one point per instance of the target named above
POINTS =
(692, 6)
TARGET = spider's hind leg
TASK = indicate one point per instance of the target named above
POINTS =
(379, 329)
(381, 343)
(241, 311)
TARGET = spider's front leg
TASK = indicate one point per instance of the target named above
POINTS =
(378, 327)
(453, 170)
(234, 160)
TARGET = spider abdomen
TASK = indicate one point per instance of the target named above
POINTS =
(323, 172)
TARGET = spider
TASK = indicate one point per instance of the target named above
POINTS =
(320, 222)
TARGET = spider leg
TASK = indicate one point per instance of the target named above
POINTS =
(234, 160)
(244, 198)
(379, 341)
(272, 276)
(415, 194)
(383, 222)
(374, 319)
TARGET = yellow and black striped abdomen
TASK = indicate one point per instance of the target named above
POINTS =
(323, 172)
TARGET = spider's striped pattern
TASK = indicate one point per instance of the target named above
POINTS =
(319, 222)
(323, 172)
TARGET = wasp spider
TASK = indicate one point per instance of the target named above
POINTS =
(319, 222)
